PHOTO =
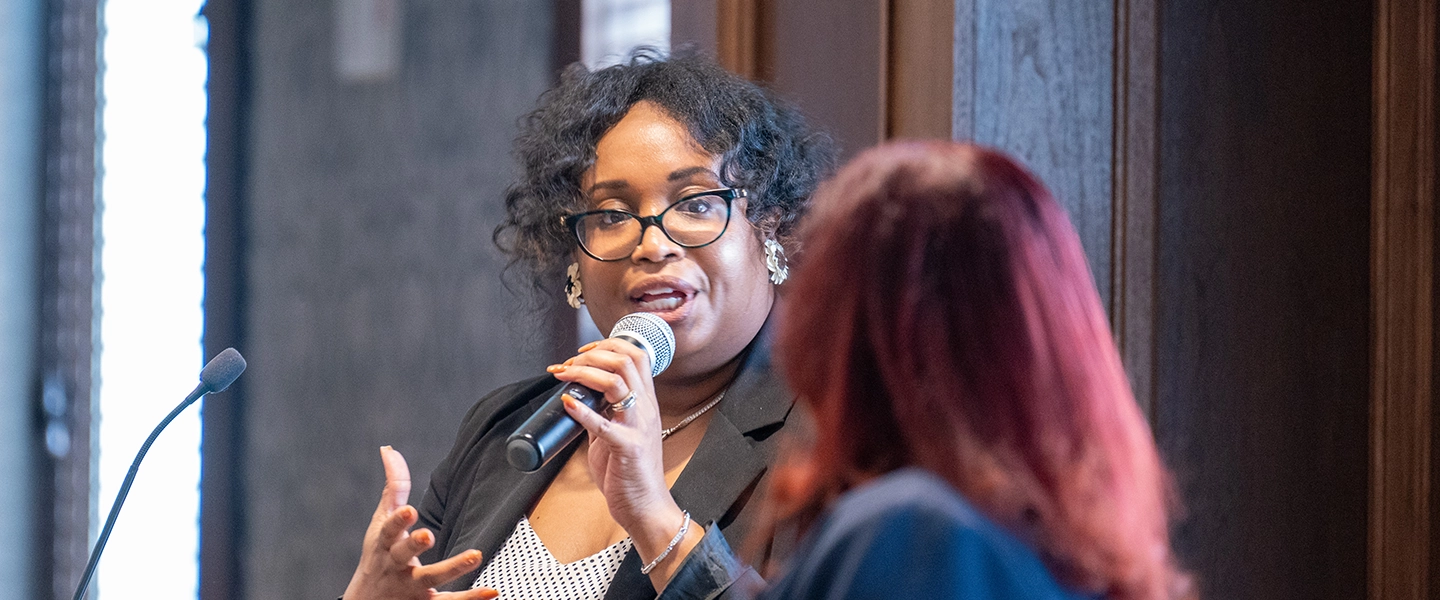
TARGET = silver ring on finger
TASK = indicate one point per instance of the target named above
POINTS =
(625, 404)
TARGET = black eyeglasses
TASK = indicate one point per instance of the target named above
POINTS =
(693, 221)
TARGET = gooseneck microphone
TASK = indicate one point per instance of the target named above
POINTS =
(550, 429)
(217, 375)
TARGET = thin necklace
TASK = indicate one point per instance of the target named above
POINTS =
(686, 421)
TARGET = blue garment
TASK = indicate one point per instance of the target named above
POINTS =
(907, 534)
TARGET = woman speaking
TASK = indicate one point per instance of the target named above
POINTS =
(669, 187)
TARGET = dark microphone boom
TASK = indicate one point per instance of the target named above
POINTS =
(217, 375)
(550, 429)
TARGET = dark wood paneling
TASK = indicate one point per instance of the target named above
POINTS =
(694, 23)
(1135, 205)
(1041, 86)
(1263, 329)
(963, 61)
(828, 57)
(743, 38)
(920, 40)
(1402, 295)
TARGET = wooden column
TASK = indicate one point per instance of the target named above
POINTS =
(738, 36)
(918, 68)
(1402, 300)
(1133, 244)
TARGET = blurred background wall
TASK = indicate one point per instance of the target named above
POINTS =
(1252, 181)
(374, 312)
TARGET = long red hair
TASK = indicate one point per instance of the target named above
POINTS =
(943, 316)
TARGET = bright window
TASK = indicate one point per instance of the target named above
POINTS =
(611, 28)
(152, 217)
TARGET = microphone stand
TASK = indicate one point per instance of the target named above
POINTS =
(200, 390)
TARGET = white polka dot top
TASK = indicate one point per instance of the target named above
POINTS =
(524, 569)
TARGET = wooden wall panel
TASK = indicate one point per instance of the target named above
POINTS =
(1403, 292)
(1135, 205)
(828, 57)
(1263, 326)
(919, 68)
(694, 23)
(744, 38)
(866, 70)
(1041, 86)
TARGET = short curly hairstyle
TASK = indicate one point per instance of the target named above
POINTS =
(764, 144)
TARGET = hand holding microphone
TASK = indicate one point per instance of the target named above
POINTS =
(644, 343)
(626, 454)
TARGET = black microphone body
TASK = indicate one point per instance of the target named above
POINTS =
(551, 429)
(217, 375)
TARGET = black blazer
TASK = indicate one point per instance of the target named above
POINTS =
(475, 497)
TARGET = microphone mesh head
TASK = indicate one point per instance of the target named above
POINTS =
(222, 370)
(654, 331)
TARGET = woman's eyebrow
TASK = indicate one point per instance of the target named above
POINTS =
(612, 184)
(677, 175)
(687, 172)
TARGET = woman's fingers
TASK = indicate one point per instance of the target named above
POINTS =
(597, 426)
(390, 565)
(448, 569)
(409, 547)
(394, 526)
(397, 480)
(624, 347)
(615, 356)
(473, 594)
(637, 360)
(611, 385)
(606, 361)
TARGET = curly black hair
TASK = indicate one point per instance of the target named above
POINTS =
(764, 144)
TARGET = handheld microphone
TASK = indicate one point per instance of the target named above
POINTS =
(550, 429)
(217, 375)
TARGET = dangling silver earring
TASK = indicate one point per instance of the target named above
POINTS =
(573, 289)
(775, 262)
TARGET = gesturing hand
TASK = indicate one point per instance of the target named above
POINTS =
(389, 565)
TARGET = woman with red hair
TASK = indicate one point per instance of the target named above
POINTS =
(974, 433)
